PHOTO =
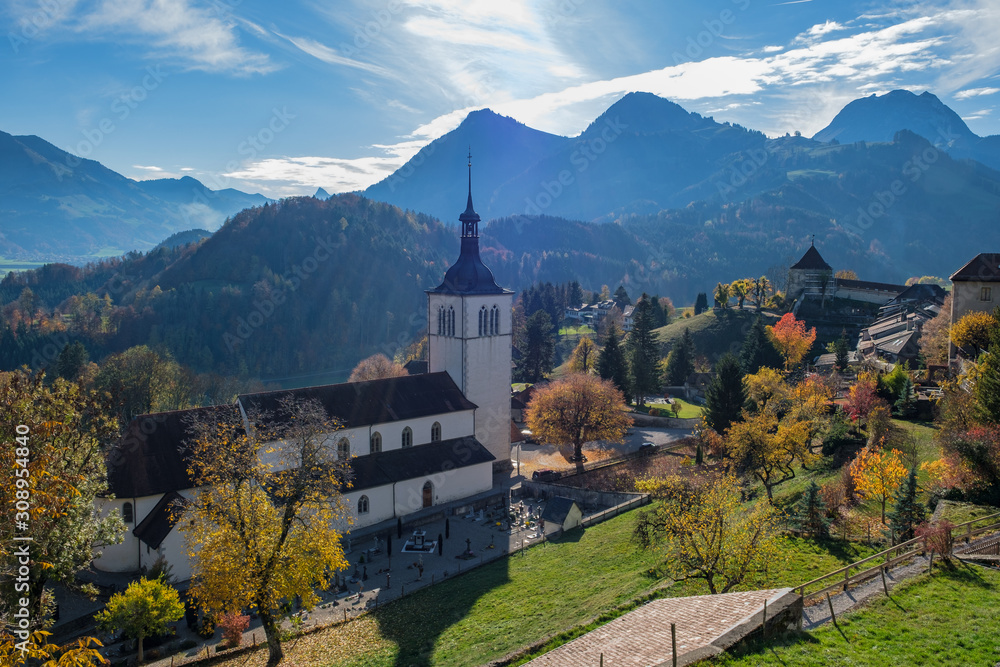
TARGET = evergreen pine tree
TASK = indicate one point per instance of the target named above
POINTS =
(537, 344)
(611, 363)
(701, 303)
(905, 404)
(643, 352)
(841, 350)
(810, 513)
(988, 385)
(622, 298)
(725, 394)
(680, 361)
(907, 513)
(758, 351)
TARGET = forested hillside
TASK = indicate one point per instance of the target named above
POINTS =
(293, 288)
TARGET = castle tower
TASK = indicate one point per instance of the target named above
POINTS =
(470, 337)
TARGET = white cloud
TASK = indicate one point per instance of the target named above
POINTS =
(772, 49)
(204, 39)
(150, 168)
(285, 176)
(975, 92)
(323, 52)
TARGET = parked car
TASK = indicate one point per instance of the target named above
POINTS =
(545, 475)
(647, 448)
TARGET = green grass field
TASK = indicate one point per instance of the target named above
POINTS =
(948, 618)
(582, 330)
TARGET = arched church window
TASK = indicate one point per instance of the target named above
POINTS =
(363, 505)
(494, 321)
(482, 321)
(376, 443)
(436, 432)
(407, 437)
(128, 515)
(440, 320)
(343, 449)
(451, 321)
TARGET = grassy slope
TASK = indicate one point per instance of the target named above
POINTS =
(500, 608)
(948, 618)
(714, 331)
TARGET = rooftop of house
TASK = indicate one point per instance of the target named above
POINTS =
(812, 260)
(984, 267)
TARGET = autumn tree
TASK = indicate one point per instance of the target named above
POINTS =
(265, 526)
(680, 361)
(792, 339)
(973, 330)
(846, 274)
(578, 409)
(759, 289)
(723, 292)
(611, 364)
(935, 335)
(725, 395)
(642, 352)
(862, 398)
(740, 289)
(877, 474)
(145, 609)
(706, 532)
(584, 357)
(35, 650)
(766, 447)
(376, 367)
(55, 437)
(537, 344)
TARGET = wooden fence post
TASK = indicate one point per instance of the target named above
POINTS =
(833, 614)
(763, 626)
(673, 641)
(885, 586)
(847, 578)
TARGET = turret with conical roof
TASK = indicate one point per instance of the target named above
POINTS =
(810, 276)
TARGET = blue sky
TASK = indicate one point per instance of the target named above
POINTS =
(282, 97)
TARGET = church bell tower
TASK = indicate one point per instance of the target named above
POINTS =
(470, 337)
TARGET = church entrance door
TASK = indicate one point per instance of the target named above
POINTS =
(428, 494)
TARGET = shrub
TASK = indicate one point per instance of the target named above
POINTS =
(937, 537)
(233, 626)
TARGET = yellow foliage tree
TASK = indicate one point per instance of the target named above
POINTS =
(264, 528)
(767, 389)
(877, 473)
(791, 338)
(376, 367)
(973, 330)
(144, 609)
(767, 447)
(584, 357)
(741, 288)
(80, 653)
(578, 409)
(707, 532)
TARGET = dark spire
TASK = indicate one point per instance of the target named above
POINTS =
(470, 219)
(468, 275)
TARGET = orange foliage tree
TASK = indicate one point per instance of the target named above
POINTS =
(578, 409)
(877, 473)
(791, 338)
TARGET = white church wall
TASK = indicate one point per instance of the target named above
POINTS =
(122, 557)
(380, 507)
(453, 425)
(447, 485)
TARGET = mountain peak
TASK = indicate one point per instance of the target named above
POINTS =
(650, 112)
(877, 118)
(321, 194)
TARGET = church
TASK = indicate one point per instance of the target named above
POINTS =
(414, 441)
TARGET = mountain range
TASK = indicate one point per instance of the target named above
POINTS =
(55, 205)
